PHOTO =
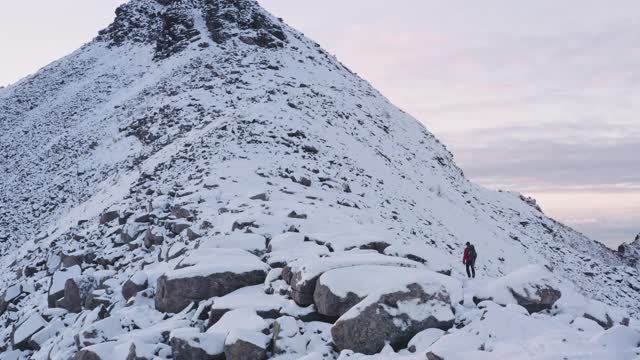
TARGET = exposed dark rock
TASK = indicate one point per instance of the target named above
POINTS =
(96, 299)
(183, 349)
(607, 321)
(181, 213)
(295, 215)
(174, 294)
(432, 356)
(331, 305)
(108, 216)
(177, 228)
(262, 197)
(244, 350)
(176, 33)
(227, 19)
(131, 288)
(146, 218)
(86, 355)
(150, 239)
(192, 235)
(71, 300)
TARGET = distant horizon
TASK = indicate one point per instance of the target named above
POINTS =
(536, 98)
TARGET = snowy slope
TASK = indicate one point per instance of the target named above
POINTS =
(218, 108)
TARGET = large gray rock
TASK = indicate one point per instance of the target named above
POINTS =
(135, 284)
(86, 355)
(339, 290)
(108, 216)
(191, 344)
(72, 300)
(393, 318)
(208, 273)
(26, 329)
(58, 282)
(76, 292)
(303, 273)
(532, 287)
(150, 239)
(246, 345)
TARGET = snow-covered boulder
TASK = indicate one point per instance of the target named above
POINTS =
(135, 284)
(114, 350)
(297, 338)
(395, 315)
(191, 344)
(241, 319)
(58, 280)
(303, 273)
(424, 339)
(532, 287)
(52, 329)
(339, 290)
(26, 329)
(246, 345)
(606, 316)
(250, 297)
(9, 295)
(210, 273)
(618, 337)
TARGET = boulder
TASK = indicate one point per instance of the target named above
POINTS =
(192, 235)
(150, 239)
(424, 339)
(76, 292)
(262, 197)
(58, 282)
(394, 316)
(25, 330)
(207, 273)
(305, 271)
(135, 284)
(96, 299)
(11, 294)
(297, 338)
(240, 319)
(86, 355)
(108, 217)
(339, 290)
(49, 331)
(250, 297)
(178, 227)
(71, 301)
(99, 332)
(191, 344)
(246, 345)
(181, 213)
(4, 305)
(532, 287)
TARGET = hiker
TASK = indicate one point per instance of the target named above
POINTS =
(469, 259)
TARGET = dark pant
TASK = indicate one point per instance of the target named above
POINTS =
(471, 268)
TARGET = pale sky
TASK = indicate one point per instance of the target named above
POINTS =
(541, 97)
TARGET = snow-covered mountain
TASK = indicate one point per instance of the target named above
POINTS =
(201, 166)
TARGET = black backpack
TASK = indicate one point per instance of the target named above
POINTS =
(472, 253)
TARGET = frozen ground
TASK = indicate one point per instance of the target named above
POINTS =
(201, 154)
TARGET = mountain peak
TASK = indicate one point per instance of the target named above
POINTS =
(174, 24)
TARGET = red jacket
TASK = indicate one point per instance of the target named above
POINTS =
(466, 256)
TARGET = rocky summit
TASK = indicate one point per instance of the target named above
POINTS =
(201, 181)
